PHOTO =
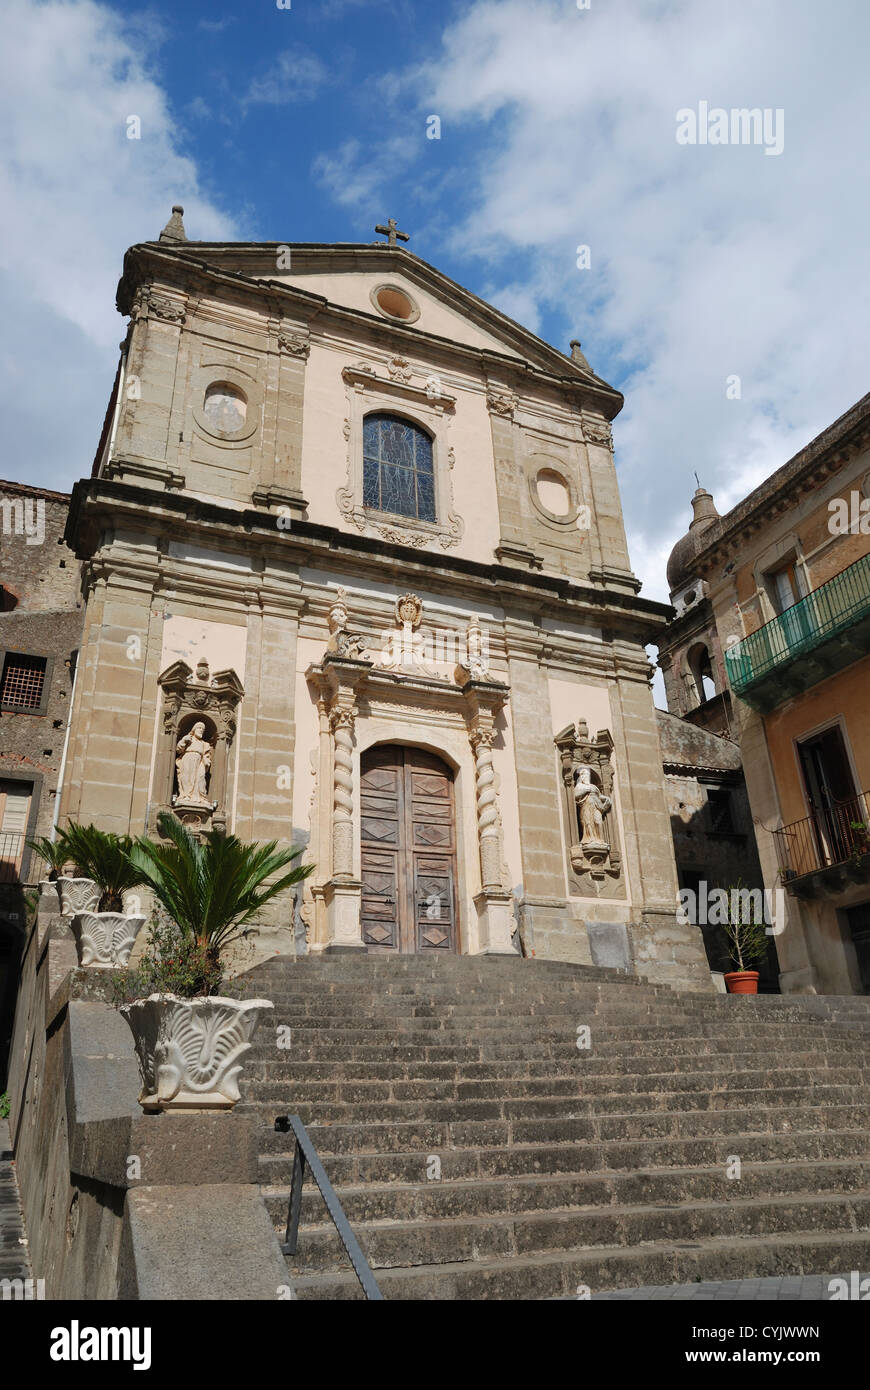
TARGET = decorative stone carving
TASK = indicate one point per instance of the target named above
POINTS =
(104, 940)
(341, 641)
(501, 401)
(191, 1051)
(596, 430)
(587, 774)
(77, 895)
(197, 734)
(475, 663)
(296, 344)
(160, 307)
(400, 369)
(409, 609)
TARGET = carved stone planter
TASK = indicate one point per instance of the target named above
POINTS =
(104, 940)
(191, 1051)
(77, 895)
(49, 896)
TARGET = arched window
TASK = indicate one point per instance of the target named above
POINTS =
(398, 473)
(701, 671)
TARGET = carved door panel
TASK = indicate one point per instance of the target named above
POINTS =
(408, 851)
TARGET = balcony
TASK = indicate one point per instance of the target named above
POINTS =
(827, 851)
(820, 635)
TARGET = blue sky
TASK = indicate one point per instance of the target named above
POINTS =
(557, 130)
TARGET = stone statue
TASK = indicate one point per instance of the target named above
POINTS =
(193, 762)
(342, 642)
(592, 806)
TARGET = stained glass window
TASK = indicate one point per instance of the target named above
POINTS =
(398, 474)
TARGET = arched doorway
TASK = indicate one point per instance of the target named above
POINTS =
(408, 843)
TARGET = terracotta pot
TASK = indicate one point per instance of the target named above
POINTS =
(741, 981)
(191, 1051)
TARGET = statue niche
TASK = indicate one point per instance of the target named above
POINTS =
(587, 774)
(193, 770)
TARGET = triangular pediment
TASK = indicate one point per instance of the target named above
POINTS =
(349, 276)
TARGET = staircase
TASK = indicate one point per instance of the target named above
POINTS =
(559, 1167)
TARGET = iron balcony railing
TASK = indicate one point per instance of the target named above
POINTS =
(306, 1153)
(839, 834)
(11, 845)
(824, 613)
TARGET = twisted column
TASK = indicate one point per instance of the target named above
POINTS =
(342, 722)
(488, 823)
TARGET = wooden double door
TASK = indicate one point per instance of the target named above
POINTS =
(408, 838)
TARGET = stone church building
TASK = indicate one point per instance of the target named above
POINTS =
(356, 578)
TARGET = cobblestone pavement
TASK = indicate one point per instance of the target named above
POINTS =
(798, 1288)
(14, 1259)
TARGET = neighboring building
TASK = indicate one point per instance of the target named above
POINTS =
(357, 577)
(40, 627)
(690, 656)
(711, 823)
(786, 574)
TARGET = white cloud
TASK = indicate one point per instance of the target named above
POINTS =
(706, 261)
(295, 75)
(74, 193)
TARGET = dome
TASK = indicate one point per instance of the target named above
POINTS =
(682, 556)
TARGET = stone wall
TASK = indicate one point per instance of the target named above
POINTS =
(118, 1204)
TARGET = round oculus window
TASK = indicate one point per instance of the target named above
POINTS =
(553, 493)
(395, 303)
(225, 407)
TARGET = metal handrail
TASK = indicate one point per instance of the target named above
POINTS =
(305, 1152)
(11, 845)
(825, 839)
(828, 610)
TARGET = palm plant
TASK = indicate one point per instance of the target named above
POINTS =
(53, 853)
(212, 887)
(105, 858)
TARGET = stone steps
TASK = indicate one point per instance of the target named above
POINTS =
(562, 1274)
(660, 1188)
(391, 1244)
(559, 1166)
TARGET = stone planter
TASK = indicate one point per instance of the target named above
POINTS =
(77, 895)
(191, 1051)
(104, 940)
(49, 896)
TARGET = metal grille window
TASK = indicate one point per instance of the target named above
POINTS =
(23, 680)
(721, 814)
(398, 470)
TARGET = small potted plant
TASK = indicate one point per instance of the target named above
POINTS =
(104, 931)
(76, 892)
(747, 942)
(191, 1040)
(55, 856)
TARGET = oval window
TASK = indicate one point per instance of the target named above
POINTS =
(553, 493)
(225, 407)
(395, 303)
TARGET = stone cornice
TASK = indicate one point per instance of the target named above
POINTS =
(99, 506)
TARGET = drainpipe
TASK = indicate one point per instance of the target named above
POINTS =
(72, 696)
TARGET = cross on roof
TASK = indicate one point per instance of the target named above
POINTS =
(392, 231)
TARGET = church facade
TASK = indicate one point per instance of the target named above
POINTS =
(356, 578)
